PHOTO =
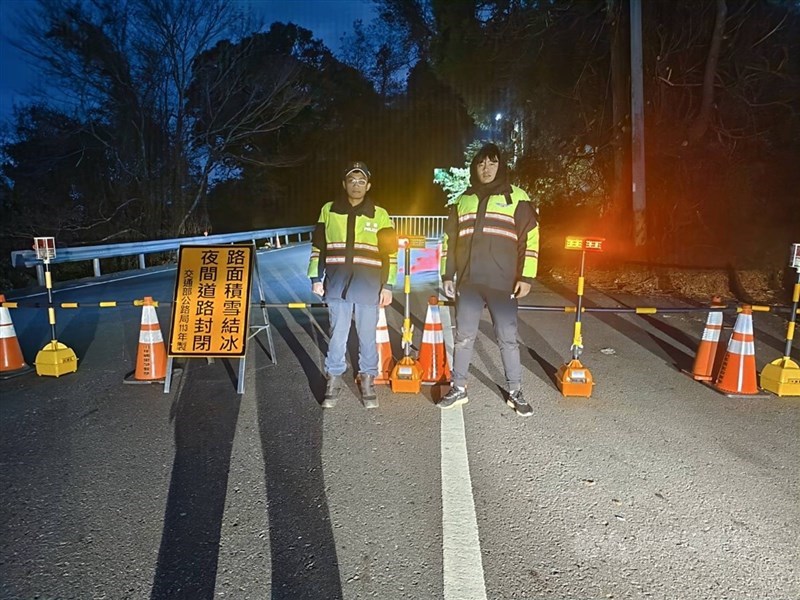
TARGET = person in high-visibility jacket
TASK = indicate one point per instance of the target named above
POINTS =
(353, 267)
(490, 254)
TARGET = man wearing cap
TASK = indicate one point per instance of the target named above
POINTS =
(490, 255)
(353, 266)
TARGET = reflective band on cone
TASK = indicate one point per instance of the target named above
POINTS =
(432, 353)
(708, 350)
(11, 360)
(151, 357)
(737, 375)
(385, 360)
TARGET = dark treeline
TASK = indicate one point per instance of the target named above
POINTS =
(164, 118)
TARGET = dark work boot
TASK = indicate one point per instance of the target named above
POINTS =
(368, 395)
(332, 391)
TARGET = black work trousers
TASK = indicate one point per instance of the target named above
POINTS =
(470, 300)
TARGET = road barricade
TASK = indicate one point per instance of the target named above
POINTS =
(706, 359)
(737, 375)
(151, 356)
(12, 363)
(385, 359)
(432, 352)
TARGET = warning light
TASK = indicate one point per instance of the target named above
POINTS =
(45, 247)
(574, 243)
(591, 244)
(595, 245)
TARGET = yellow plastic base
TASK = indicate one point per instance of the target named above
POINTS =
(55, 359)
(574, 379)
(781, 377)
(406, 377)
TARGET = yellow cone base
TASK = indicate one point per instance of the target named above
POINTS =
(406, 376)
(781, 377)
(574, 379)
(55, 359)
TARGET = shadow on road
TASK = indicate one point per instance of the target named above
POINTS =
(205, 418)
(303, 550)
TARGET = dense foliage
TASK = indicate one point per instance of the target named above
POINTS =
(171, 117)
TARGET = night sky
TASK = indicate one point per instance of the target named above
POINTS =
(328, 19)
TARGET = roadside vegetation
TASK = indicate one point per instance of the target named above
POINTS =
(165, 118)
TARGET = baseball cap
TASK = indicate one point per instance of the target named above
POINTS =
(356, 166)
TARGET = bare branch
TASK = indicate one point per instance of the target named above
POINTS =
(773, 31)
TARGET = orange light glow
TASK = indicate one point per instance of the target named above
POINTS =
(574, 243)
(588, 244)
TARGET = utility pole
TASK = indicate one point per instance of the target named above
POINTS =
(637, 127)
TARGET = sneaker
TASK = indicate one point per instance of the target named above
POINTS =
(368, 395)
(517, 402)
(332, 391)
(455, 397)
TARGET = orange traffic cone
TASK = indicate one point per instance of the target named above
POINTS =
(707, 351)
(385, 360)
(151, 358)
(432, 353)
(11, 361)
(737, 375)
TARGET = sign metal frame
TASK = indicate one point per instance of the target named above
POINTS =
(200, 293)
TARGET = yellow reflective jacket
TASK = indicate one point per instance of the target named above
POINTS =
(493, 241)
(354, 251)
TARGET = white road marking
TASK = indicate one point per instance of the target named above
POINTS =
(463, 565)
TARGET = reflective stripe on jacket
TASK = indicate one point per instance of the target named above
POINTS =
(493, 242)
(354, 251)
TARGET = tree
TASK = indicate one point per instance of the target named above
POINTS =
(723, 85)
(721, 92)
(125, 72)
(381, 53)
(240, 94)
(286, 168)
(64, 168)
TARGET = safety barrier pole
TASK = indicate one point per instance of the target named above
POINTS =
(782, 376)
(572, 378)
(406, 377)
(55, 358)
(639, 310)
(139, 303)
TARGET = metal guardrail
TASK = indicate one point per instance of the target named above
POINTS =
(432, 227)
(27, 258)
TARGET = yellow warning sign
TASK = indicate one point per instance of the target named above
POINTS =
(212, 299)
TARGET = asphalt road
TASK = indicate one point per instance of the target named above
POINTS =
(655, 487)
